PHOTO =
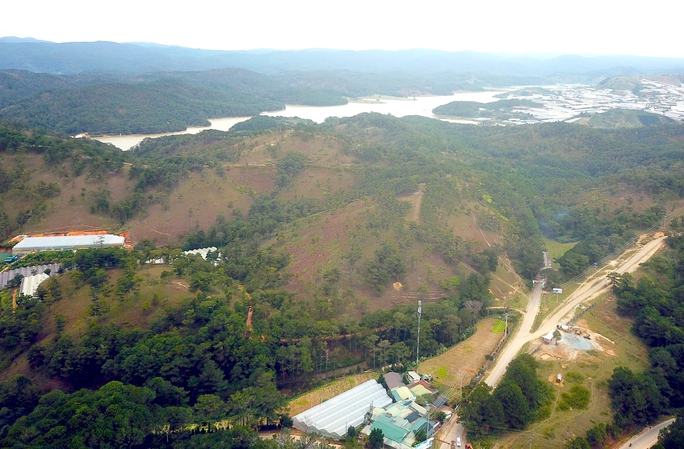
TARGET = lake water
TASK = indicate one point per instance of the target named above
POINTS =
(398, 107)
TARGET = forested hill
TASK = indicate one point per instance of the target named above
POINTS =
(172, 101)
(127, 59)
(326, 236)
(155, 103)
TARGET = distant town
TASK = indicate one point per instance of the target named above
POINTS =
(569, 102)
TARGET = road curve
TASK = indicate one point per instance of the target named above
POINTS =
(521, 337)
(596, 285)
(590, 288)
(647, 438)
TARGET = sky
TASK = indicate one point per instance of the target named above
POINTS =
(503, 26)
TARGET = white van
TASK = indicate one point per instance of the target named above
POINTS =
(458, 441)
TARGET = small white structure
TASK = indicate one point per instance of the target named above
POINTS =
(412, 376)
(67, 242)
(333, 417)
(201, 251)
(548, 338)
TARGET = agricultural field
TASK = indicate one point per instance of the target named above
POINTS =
(314, 397)
(466, 357)
(556, 249)
(499, 326)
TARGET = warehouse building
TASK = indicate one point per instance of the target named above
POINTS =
(67, 242)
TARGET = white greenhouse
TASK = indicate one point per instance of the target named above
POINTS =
(67, 242)
(333, 417)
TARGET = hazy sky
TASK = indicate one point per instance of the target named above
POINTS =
(515, 26)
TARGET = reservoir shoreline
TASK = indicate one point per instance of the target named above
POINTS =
(398, 107)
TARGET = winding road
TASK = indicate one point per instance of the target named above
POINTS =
(593, 286)
(590, 288)
(647, 438)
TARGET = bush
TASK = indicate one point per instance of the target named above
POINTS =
(577, 398)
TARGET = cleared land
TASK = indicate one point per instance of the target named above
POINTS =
(591, 369)
(466, 357)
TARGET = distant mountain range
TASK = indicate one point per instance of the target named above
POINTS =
(136, 58)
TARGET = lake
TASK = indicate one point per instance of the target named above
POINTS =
(398, 107)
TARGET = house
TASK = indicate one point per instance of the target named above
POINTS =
(398, 423)
(402, 394)
(421, 387)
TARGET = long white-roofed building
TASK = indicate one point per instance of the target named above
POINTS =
(67, 242)
(333, 417)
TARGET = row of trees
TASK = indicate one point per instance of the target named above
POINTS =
(520, 398)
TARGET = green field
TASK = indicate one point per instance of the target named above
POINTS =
(499, 326)
(556, 249)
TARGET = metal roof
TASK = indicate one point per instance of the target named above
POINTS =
(334, 416)
(393, 380)
(30, 284)
(67, 242)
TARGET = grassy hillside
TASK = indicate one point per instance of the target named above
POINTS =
(441, 194)
(624, 118)
(327, 236)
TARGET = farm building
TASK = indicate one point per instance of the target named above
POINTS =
(420, 388)
(333, 417)
(548, 338)
(398, 423)
(402, 394)
(412, 376)
(67, 242)
(393, 380)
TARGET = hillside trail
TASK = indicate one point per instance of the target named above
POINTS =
(415, 211)
(480, 229)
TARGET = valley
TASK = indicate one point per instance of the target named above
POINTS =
(286, 253)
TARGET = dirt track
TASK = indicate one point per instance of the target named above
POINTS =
(592, 287)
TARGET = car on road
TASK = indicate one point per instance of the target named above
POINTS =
(458, 442)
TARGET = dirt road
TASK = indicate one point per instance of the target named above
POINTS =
(593, 286)
(522, 336)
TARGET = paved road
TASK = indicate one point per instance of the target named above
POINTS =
(647, 438)
(593, 286)
(516, 342)
(452, 430)
(596, 285)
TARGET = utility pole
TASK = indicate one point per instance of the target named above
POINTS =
(420, 312)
